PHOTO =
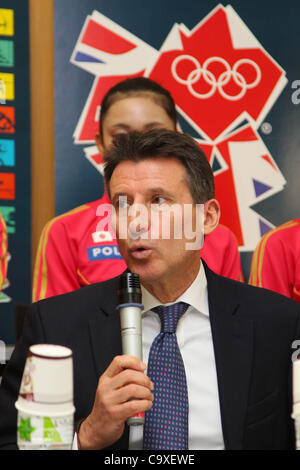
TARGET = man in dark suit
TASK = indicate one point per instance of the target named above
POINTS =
(235, 340)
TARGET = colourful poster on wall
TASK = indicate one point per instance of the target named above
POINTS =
(15, 192)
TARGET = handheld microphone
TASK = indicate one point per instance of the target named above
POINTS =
(296, 401)
(130, 306)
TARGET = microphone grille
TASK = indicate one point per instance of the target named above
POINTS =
(134, 281)
(129, 287)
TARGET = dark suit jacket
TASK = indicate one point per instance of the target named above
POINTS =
(253, 330)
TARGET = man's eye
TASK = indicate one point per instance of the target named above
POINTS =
(159, 203)
(159, 200)
(122, 203)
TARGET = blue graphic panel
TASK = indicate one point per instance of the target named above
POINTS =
(7, 152)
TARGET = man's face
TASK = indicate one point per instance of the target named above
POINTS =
(155, 184)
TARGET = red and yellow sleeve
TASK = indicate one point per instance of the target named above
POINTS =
(55, 270)
(272, 265)
(3, 251)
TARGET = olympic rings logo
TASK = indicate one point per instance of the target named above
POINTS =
(216, 83)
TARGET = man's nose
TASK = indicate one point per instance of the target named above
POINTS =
(138, 220)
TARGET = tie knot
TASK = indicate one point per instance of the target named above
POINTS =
(169, 316)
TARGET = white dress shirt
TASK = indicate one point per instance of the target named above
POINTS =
(194, 338)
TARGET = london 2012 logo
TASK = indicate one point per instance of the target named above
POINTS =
(224, 83)
(216, 83)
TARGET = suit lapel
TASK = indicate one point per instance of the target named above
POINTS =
(105, 337)
(233, 345)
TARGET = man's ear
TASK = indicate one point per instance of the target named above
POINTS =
(212, 214)
(99, 143)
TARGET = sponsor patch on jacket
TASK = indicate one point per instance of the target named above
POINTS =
(103, 252)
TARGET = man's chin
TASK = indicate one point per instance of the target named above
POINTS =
(146, 273)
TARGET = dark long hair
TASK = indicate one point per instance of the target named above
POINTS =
(139, 86)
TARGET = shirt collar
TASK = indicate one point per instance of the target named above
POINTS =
(195, 295)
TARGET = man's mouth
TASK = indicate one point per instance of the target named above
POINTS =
(139, 251)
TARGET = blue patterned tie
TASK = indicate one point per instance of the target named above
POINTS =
(166, 423)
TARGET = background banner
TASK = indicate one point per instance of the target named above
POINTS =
(15, 191)
(233, 70)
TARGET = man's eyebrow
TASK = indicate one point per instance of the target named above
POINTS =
(160, 190)
(117, 195)
(150, 191)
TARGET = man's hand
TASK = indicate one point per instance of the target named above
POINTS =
(123, 390)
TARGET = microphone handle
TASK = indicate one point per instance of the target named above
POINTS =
(131, 331)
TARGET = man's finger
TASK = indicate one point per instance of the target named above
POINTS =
(120, 363)
(132, 407)
(130, 376)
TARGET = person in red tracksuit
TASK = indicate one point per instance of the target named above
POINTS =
(276, 261)
(78, 248)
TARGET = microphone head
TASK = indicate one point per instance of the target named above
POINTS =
(129, 290)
